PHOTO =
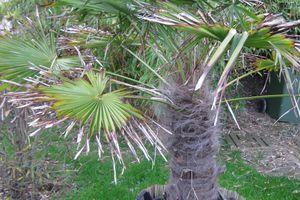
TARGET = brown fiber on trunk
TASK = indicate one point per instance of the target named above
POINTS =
(193, 146)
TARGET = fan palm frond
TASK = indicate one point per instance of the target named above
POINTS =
(20, 58)
(263, 32)
(101, 113)
(97, 6)
(267, 33)
(88, 100)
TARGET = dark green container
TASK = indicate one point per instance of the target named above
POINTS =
(276, 107)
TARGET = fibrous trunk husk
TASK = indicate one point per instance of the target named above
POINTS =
(193, 146)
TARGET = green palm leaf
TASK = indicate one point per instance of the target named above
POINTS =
(89, 101)
(100, 111)
(259, 32)
(265, 33)
(97, 6)
(21, 58)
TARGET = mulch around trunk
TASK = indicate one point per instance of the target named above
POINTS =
(271, 148)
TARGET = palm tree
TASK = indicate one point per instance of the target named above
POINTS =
(99, 100)
(194, 145)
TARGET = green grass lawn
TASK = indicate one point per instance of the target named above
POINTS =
(254, 186)
(91, 179)
(94, 180)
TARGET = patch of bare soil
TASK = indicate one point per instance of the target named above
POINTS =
(281, 155)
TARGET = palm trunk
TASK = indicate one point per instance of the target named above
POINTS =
(19, 132)
(193, 147)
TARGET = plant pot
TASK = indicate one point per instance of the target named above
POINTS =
(157, 192)
(278, 108)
